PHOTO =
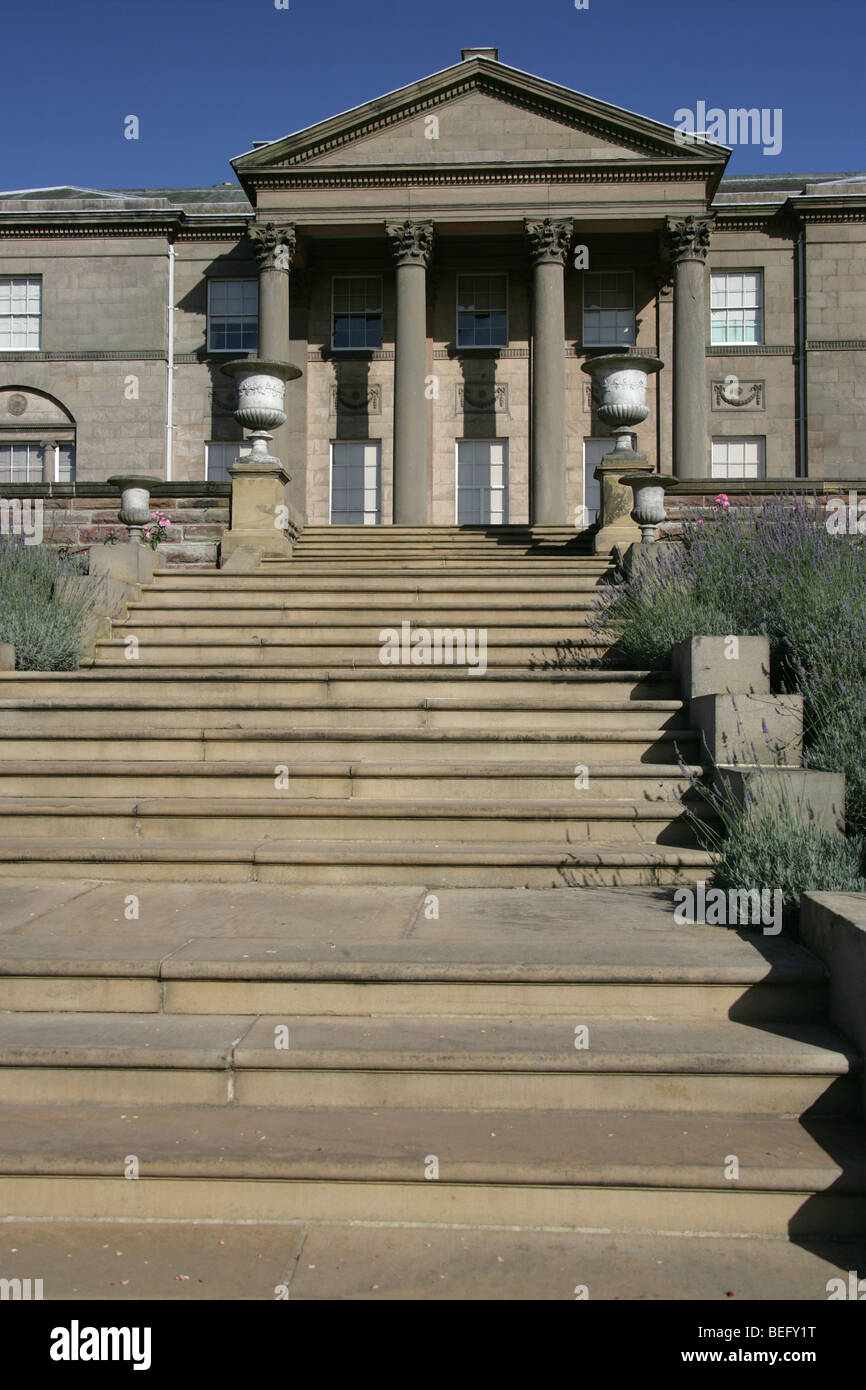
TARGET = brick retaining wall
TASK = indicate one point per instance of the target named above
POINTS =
(79, 514)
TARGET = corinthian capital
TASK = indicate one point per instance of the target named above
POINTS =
(549, 238)
(274, 246)
(411, 242)
(688, 238)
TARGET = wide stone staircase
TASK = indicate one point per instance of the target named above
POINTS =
(272, 942)
(244, 727)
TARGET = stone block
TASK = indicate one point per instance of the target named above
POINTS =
(833, 925)
(754, 729)
(126, 562)
(258, 494)
(816, 798)
(722, 666)
(7, 656)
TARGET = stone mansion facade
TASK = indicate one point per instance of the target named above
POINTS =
(440, 262)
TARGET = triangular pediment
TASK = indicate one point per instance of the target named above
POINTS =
(478, 112)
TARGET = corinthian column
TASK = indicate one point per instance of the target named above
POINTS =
(549, 241)
(411, 245)
(275, 248)
(689, 241)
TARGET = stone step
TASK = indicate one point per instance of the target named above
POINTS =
(357, 616)
(526, 599)
(104, 734)
(282, 650)
(120, 775)
(175, 587)
(230, 1261)
(635, 1171)
(471, 713)
(396, 683)
(336, 574)
(253, 948)
(464, 1062)
(366, 823)
(226, 631)
(320, 862)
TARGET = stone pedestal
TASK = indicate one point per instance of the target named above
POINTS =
(549, 242)
(617, 499)
(814, 798)
(763, 730)
(411, 245)
(127, 563)
(722, 666)
(258, 516)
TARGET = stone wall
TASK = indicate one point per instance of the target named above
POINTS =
(79, 514)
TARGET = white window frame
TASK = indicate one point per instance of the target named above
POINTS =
(242, 447)
(481, 275)
(615, 341)
(724, 310)
(34, 448)
(756, 443)
(492, 439)
(360, 276)
(212, 317)
(30, 282)
(365, 443)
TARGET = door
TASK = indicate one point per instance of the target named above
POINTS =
(482, 482)
(356, 483)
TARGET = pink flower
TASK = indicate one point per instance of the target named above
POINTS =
(722, 500)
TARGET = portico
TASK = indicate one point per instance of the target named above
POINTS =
(420, 255)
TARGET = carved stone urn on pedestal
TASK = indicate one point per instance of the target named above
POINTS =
(620, 384)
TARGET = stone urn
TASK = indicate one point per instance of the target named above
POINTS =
(620, 380)
(261, 388)
(134, 503)
(649, 502)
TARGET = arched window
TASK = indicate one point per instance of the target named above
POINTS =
(37, 438)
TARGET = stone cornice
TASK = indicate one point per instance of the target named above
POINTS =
(453, 175)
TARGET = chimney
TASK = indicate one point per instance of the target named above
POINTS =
(491, 53)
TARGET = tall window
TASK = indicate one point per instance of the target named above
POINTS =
(608, 308)
(232, 315)
(739, 458)
(21, 463)
(20, 313)
(219, 457)
(482, 311)
(356, 317)
(735, 306)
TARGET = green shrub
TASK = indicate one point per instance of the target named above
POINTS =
(776, 570)
(41, 614)
(764, 845)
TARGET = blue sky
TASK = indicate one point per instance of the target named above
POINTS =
(208, 77)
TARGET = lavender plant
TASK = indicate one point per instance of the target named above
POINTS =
(771, 568)
(42, 614)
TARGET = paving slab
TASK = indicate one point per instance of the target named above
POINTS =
(425, 1263)
(164, 1261)
(189, 1261)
